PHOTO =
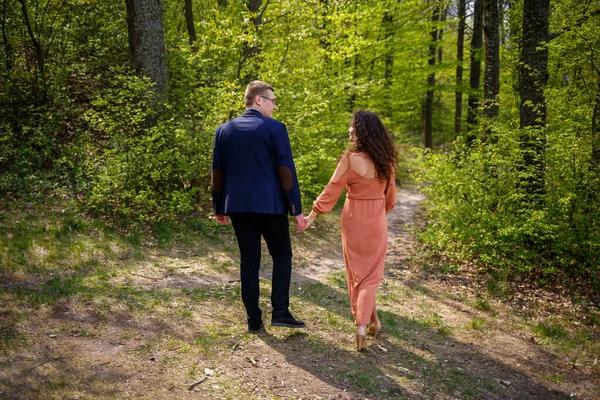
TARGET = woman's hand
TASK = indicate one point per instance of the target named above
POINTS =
(310, 219)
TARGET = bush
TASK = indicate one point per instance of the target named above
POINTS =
(137, 171)
(478, 210)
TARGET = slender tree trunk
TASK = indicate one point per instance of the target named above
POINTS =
(147, 42)
(475, 70)
(428, 107)
(460, 43)
(39, 52)
(191, 28)
(248, 50)
(388, 23)
(533, 78)
(491, 75)
(7, 46)
(440, 36)
(595, 121)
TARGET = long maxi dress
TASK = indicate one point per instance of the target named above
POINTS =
(364, 229)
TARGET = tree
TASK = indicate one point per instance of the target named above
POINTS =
(428, 107)
(40, 57)
(189, 23)
(533, 78)
(491, 75)
(459, 66)
(8, 48)
(475, 69)
(250, 50)
(147, 42)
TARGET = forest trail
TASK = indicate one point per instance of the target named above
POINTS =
(168, 325)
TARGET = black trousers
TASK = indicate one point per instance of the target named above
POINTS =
(249, 227)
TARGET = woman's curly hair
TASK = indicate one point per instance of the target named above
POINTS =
(373, 138)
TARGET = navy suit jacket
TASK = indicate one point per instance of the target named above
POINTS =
(253, 168)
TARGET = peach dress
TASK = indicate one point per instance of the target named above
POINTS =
(363, 225)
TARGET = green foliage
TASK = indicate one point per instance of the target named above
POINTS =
(478, 210)
(137, 171)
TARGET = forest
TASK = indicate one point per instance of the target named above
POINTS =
(115, 105)
(108, 111)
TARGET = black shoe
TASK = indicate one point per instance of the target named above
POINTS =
(255, 327)
(288, 322)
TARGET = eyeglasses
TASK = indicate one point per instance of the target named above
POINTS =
(268, 98)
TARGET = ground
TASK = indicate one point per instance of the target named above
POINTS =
(137, 319)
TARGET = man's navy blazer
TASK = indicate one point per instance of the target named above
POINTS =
(253, 168)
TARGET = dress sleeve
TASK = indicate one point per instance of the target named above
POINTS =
(286, 171)
(330, 195)
(218, 176)
(390, 194)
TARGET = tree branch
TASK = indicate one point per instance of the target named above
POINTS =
(579, 22)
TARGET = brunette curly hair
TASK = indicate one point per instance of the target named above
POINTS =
(373, 138)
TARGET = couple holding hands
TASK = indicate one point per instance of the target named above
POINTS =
(255, 185)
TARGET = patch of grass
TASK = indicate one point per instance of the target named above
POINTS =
(10, 338)
(555, 334)
(50, 292)
(445, 268)
(444, 330)
(134, 237)
(365, 381)
(551, 330)
(556, 378)
(433, 320)
(164, 233)
(338, 279)
(496, 287)
(477, 323)
(481, 304)
(593, 318)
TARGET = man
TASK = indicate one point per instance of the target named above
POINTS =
(255, 184)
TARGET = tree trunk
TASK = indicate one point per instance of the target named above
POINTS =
(7, 46)
(249, 51)
(459, 67)
(39, 53)
(533, 78)
(595, 121)
(388, 24)
(428, 107)
(147, 42)
(475, 70)
(491, 75)
(191, 28)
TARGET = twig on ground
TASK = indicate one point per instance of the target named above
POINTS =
(148, 277)
(213, 314)
(193, 385)
(42, 363)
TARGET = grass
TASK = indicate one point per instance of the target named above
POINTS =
(481, 304)
(477, 323)
(143, 305)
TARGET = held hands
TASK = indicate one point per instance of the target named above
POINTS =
(310, 219)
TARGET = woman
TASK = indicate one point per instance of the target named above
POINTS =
(366, 170)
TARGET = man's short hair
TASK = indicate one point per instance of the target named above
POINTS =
(256, 88)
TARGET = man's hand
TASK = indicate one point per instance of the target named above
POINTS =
(222, 219)
(300, 223)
